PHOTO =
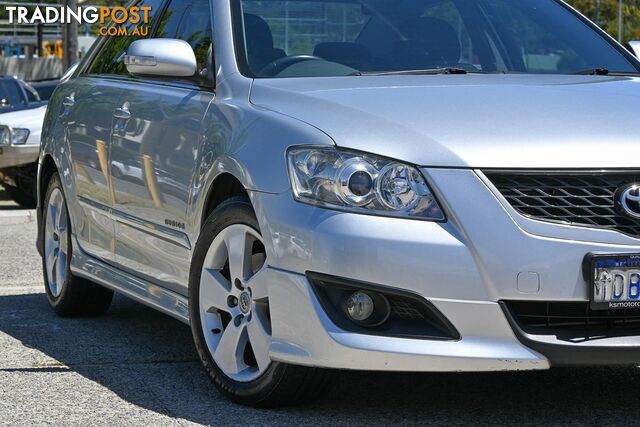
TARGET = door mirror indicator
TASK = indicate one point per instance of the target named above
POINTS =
(161, 57)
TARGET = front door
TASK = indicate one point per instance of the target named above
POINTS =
(153, 157)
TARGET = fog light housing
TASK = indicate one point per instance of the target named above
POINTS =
(360, 306)
(367, 309)
(396, 312)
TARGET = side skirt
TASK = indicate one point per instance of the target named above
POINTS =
(147, 293)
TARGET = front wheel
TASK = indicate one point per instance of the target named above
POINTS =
(230, 313)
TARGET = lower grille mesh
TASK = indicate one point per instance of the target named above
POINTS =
(586, 199)
(534, 316)
(405, 309)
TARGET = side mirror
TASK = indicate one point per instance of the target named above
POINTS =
(161, 57)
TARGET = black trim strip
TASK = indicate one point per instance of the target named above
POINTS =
(574, 354)
(237, 22)
(160, 231)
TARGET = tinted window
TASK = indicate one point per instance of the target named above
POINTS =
(541, 37)
(111, 56)
(45, 89)
(10, 92)
(189, 20)
(484, 36)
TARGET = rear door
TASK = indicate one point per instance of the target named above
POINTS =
(153, 158)
(88, 105)
(89, 109)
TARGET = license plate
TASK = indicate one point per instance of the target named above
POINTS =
(614, 281)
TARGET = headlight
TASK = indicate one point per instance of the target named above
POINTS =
(5, 136)
(20, 136)
(362, 183)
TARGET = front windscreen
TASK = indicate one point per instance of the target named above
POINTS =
(298, 38)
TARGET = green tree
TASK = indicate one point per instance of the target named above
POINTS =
(605, 14)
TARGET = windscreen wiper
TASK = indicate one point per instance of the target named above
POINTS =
(593, 72)
(429, 71)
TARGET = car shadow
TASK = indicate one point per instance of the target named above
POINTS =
(6, 204)
(148, 360)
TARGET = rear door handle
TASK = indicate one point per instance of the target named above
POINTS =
(122, 113)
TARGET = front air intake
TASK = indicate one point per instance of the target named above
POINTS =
(407, 314)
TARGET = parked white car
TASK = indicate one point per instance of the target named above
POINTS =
(19, 147)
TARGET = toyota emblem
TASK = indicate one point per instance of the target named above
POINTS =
(628, 198)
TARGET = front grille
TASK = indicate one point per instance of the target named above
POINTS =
(584, 199)
(539, 316)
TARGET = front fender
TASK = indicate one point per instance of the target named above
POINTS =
(253, 150)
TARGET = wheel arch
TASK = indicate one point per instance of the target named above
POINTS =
(47, 169)
(224, 186)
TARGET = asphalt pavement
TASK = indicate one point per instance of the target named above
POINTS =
(135, 366)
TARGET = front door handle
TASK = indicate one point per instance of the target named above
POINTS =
(122, 113)
(69, 101)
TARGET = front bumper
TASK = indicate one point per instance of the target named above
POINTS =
(304, 335)
(18, 155)
(483, 255)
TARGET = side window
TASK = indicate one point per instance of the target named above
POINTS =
(189, 20)
(11, 93)
(111, 56)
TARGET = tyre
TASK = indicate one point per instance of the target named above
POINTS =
(230, 317)
(68, 295)
(116, 172)
(25, 197)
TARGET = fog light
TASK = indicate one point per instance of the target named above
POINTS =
(360, 306)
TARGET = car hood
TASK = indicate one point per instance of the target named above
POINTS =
(478, 121)
(31, 119)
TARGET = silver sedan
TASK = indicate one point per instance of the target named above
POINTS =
(390, 185)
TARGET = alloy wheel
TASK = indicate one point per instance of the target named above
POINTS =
(234, 305)
(56, 243)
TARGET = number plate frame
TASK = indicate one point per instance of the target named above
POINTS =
(620, 262)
